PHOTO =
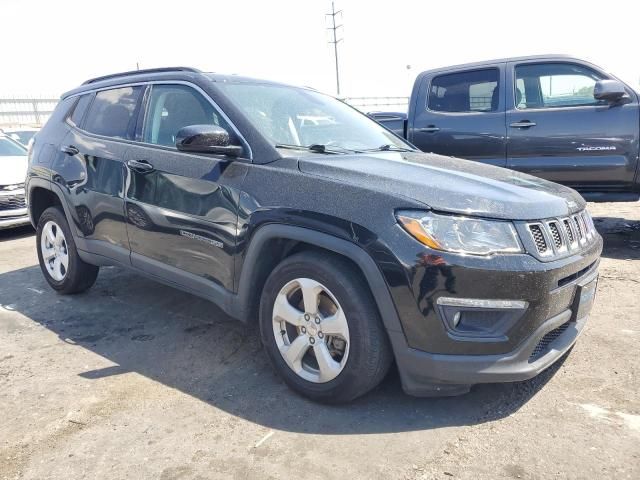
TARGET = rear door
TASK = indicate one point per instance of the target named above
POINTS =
(91, 168)
(181, 208)
(558, 131)
(461, 114)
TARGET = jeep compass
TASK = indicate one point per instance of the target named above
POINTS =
(298, 215)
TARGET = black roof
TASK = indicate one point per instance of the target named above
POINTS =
(483, 63)
(164, 73)
(141, 72)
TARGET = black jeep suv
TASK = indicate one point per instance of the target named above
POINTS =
(287, 207)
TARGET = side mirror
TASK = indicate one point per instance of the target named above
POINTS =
(609, 90)
(206, 139)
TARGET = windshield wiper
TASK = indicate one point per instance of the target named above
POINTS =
(389, 148)
(317, 148)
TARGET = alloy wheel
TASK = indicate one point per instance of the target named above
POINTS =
(311, 330)
(55, 253)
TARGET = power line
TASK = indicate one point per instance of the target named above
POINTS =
(335, 41)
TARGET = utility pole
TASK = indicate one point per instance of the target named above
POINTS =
(335, 41)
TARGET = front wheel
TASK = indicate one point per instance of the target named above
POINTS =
(321, 328)
(59, 261)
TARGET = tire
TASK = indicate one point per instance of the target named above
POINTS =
(63, 268)
(359, 356)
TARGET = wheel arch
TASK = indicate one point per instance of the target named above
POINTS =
(43, 194)
(261, 257)
(41, 197)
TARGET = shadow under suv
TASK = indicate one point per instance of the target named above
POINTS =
(300, 216)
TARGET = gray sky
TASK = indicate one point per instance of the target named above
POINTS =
(52, 46)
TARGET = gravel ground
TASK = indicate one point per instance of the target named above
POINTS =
(136, 380)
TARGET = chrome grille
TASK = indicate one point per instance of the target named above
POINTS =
(12, 202)
(569, 231)
(587, 223)
(555, 234)
(555, 237)
(12, 187)
(579, 229)
(538, 238)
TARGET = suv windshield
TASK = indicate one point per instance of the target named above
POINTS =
(10, 148)
(291, 117)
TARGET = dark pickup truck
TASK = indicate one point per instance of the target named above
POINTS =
(551, 116)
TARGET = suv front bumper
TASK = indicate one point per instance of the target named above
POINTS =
(559, 296)
(427, 374)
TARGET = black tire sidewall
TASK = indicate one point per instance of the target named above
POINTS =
(362, 319)
(56, 215)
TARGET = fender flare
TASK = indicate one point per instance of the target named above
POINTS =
(360, 257)
(56, 189)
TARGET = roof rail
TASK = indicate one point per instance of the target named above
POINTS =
(137, 72)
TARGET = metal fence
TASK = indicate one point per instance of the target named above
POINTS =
(372, 104)
(36, 111)
(26, 111)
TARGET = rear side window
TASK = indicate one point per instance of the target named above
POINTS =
(473, 91)
(112, 112)
(80, 109)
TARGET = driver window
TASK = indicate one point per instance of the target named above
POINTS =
(554, 85)
(172, 107)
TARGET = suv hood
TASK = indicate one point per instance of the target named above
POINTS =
(13, 170)
(449, 184)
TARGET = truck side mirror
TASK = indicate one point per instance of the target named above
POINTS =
(206, 139)
(611, 91)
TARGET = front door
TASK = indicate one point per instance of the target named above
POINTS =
(558, 131)
(461, 114)
(181, 208)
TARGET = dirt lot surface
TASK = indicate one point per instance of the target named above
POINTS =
(136, 380)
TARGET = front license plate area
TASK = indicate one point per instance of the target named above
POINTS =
(583, 300)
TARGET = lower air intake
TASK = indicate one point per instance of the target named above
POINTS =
(543, 345)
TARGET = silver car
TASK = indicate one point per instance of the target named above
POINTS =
(23, 135)
(13, 170)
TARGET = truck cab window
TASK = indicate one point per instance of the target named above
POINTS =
(554, 85)
(473, 91)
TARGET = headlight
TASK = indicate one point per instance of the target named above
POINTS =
(452, 233)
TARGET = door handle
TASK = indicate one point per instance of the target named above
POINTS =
(70, 150)
(523, 124)
(141, 166)
(429, 129)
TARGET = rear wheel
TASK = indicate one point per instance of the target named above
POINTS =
(59, 261)
(321, 328)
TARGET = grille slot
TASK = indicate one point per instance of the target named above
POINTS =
(542, 347)
(560, 236)
(570, 278)
(569, 231)
(579, 229)
(586, 224)
(555, 234)
(12, 202)
(538, 238)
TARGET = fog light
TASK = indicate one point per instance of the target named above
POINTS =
(480, 318)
